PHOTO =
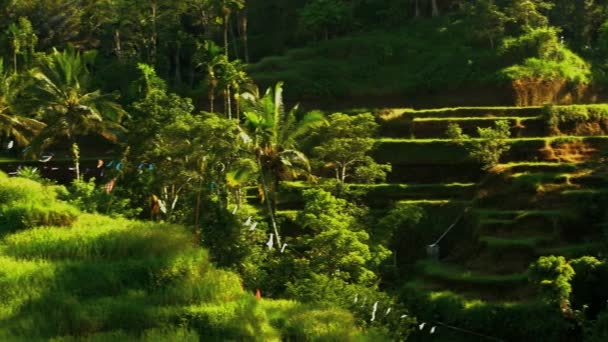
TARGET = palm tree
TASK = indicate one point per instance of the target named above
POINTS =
(273, 134)
(224, 9)
(209, 56)
(61, 94)
(22, 129)
(435, 8)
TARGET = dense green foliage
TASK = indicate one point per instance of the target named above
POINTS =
(150, 281)
(154, 188)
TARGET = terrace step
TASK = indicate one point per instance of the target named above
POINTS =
(513, 244)
(461, 278)
(590, 180)
(573, 250)
(446, 152)
(390, 114)
(493, 220)
(377, 195)
(436, 290)
(432, 174)
(437, 128)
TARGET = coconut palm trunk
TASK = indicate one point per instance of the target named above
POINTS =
(435, 12)
(269, 206)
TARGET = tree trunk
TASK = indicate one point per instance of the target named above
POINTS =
(154, 8)
(197, 210)
(211, 94)
(243, 25)
(76, 155)
(118, 45)
(273, 220)
(417, 10)
(226, 16)
(229, 102)
(435, 8)
(235, 48)
(178, 71)
(14, 60)
(237, 106)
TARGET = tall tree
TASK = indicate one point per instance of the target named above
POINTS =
(224, 9)
(20, 128)
(435, 8)
(488, 20)
(244, 31)
(347, 141)
(325, 17)
(529, 13)
(23, 41)
(273, 134)
(62, 95)
(209, 57)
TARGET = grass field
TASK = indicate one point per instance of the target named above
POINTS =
(102, 279)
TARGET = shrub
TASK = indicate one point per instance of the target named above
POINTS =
(588, 284)
(537, 54)
(88, 197)
(509, 321)
(552, 274)
(454, 132)
(567, 119)
(493, 144)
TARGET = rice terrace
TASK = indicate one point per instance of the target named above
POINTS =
(310, 170)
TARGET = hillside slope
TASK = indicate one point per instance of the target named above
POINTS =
(68, 276)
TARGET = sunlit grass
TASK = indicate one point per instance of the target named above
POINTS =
(106, 279)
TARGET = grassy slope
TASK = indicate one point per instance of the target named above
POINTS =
(113, 279)
(383, 63)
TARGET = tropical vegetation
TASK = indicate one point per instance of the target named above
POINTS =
(315, 170)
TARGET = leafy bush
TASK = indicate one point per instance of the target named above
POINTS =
(454, 132)
(566, 119)
(537, 54)
(553, 274)
(90, 198)
(509, 321)
(493, 144)
(588, 284)
(359, 300)
(347, 142)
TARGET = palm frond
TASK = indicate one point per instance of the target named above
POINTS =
(309, 122)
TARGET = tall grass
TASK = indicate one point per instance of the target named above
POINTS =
(104, 279)
(25, 203)
(97, 237)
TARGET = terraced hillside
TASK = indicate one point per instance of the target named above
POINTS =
(543, 199)
(67, 276)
